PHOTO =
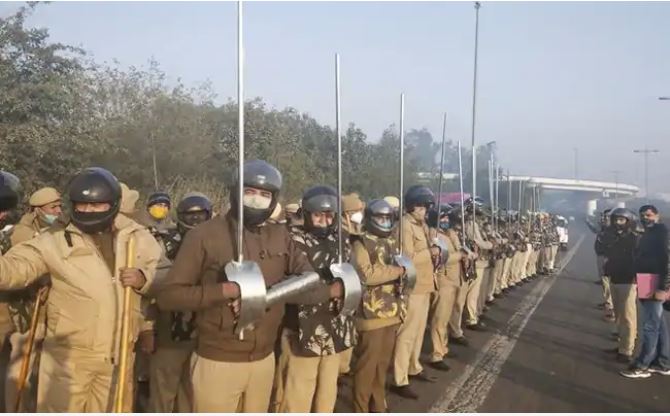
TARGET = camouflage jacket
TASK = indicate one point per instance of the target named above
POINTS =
(379, 301)
(5, 239)
(319, 328)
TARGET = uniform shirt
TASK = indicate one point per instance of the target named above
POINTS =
(104, 242)
(21, 303)
(383, 302)
(320, 329)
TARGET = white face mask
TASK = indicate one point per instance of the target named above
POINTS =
(356, 217)
(256, 201)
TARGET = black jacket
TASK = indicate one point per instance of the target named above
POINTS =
(604, 239)
(619, 251)
(651, 255)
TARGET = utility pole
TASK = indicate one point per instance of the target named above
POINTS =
(646, 152)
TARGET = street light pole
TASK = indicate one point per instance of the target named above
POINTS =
(616, 182)
(646, 152)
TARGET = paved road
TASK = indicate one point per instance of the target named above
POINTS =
(544, 352)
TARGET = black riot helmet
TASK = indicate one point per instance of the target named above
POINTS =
(432, 216)
(261, 175)
(456, 217)
(94, 185)
(622, 213)
(193, 209)
(419, 196)
(10, 191)
(380, 218)
(159, 198)
(319, 199)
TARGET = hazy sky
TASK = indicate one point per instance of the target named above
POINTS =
(553, 76)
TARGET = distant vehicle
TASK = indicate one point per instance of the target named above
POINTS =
(572, 219)
(562, 229)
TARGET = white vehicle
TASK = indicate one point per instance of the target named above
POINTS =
(562, 229)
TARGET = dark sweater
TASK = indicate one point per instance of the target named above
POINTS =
(620, 257)
(651, 255)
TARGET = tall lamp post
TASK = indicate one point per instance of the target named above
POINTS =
(616, 182)
(646, 153)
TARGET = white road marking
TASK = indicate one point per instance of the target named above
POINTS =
(470, 390)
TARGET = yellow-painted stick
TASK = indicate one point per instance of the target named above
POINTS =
(125, 328)
(28, 350)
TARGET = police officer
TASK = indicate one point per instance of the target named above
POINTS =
(316, 335)
(87, 262)
(382, 307)
(620, 268)
(417, 247)
(170, 384)
(601, 237)
(10, 195)
(467, 274)
(449, 279)
(474, 234)
(293, 216)
(229, 374)
(352, 224)
(45, 209)
(395, 204)
(158, 210)
(278, 216)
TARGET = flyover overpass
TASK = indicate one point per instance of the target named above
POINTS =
(607, 189)
(604, 189)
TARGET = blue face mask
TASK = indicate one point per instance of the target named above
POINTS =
(50, 219)
(444, 226)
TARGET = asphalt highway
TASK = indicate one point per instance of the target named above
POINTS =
(543, 351)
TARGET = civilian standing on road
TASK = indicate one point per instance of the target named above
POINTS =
(652, 258)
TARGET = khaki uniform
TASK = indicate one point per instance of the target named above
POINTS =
(472, 298)
(169, 369)
(84, 311)
(625, 310)
(450, 283)
(169, 366)
(21, 305)
(505, 277)
(410, 335)
(377, 320)
(497, 269)
(455, 328)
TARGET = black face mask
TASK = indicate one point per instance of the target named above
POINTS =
(93, 222)
(321, 233)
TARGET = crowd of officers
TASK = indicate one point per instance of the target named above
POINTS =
(73, 268)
